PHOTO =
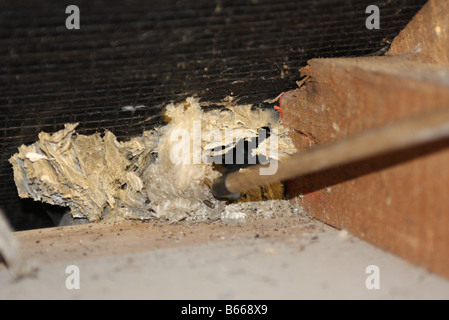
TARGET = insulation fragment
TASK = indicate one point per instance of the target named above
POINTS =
(150, 176)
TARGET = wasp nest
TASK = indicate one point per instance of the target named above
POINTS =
(162, 174)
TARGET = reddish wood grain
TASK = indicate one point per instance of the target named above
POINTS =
(399, 202)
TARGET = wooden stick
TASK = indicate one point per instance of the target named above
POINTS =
(389, 138)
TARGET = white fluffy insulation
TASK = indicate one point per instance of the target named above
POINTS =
(100, 178)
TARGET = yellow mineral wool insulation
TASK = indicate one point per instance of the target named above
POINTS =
(163, 174)
(175, 183)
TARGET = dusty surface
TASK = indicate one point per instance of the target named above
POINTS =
(265, 259)
(112, 238)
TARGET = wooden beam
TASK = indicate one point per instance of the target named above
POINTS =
(68, 243)
(398, 202)
(426, 38)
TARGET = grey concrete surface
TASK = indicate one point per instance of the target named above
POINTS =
(329, 265)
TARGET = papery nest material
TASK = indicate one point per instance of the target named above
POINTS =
(100, 178)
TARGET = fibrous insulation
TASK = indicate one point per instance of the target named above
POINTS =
(162, 174)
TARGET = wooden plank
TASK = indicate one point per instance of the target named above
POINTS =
(426, 37)
(398, 202)
(70, 243)
(377, 89)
